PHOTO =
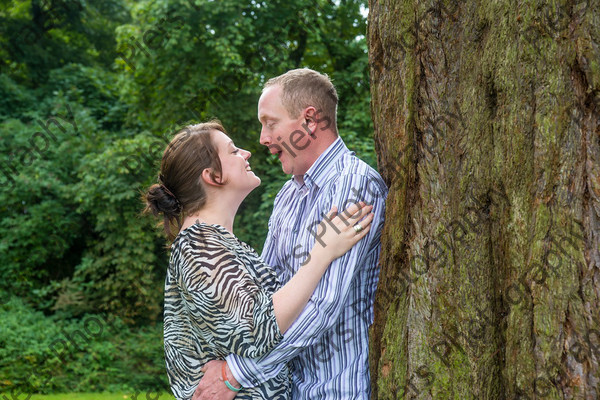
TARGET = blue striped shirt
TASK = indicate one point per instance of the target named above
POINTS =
(326, 348)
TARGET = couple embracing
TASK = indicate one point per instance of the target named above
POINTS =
(292, 323)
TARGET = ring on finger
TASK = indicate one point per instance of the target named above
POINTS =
(358, 228)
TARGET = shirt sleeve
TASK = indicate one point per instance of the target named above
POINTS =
(323, 310)
(232, 310)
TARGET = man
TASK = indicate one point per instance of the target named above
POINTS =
(326, 348)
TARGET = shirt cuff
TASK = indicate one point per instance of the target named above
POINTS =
(239, 370)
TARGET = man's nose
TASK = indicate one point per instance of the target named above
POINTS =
(265, 139)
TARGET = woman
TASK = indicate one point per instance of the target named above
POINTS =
(220, 298)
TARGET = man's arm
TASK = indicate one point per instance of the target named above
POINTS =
(212, 385)
(326, 304)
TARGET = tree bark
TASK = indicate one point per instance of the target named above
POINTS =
(487, 129)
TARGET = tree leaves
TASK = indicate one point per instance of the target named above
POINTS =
(72, 237)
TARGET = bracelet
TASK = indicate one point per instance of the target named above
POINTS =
(227, 383)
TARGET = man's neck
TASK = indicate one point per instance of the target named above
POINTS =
(317, 151)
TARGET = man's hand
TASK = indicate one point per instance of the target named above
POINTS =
(211, 385)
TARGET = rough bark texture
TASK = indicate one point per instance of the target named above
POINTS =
(487, 127)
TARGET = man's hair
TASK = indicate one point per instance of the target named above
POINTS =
(304, 87)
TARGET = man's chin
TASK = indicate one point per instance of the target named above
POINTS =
(286, 169)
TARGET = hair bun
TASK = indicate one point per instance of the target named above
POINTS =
(160, 199)
(168, 192)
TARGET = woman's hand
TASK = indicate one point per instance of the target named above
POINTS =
(336, 234)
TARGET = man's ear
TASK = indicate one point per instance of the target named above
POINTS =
(310, 120)
(207, 178)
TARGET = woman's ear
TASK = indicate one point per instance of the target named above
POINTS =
(207, 177)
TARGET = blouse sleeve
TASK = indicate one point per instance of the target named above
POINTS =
(230, 307)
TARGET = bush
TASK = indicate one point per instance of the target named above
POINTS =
(40, 354)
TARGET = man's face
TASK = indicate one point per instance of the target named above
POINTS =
(284, 136)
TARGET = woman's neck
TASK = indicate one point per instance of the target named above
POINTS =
(213, 214)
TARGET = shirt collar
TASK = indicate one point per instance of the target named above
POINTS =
(318, 173)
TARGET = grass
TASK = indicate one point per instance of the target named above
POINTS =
(99, 396)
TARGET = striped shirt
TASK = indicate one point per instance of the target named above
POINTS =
(326, 348)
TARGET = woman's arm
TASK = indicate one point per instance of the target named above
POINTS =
(339, 236)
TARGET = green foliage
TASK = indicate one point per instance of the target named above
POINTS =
(14, 99)
(105, 396)
(123, 265)
(39, 36)
(193, 59)
(46, 354)
(90, 94)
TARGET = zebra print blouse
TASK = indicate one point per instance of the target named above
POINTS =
(218, 300)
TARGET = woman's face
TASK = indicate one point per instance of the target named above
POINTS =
(234, 163)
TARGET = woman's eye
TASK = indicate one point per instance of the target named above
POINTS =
(236, 151)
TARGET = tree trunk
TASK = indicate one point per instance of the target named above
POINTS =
(487, 129)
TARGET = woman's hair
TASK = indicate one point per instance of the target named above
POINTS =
(179, 190)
